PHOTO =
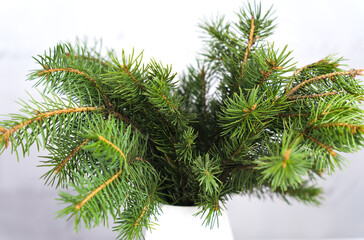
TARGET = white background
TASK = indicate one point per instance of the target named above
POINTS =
(168, 31)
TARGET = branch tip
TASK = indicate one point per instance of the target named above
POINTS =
(250, 43)
(286, 157)
(3, 130)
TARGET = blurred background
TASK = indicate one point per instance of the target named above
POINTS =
(168, 31)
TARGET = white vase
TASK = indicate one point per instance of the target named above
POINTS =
(178, 222)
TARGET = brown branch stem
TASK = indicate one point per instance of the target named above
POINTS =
(351, 73)
(125, 68)
(268, 73)
(48, 71)
(143, 212)
(322, 114)
(168, 102)
(76, 150)
(5, 136)
(101, 138)
(314, 95)
(310, 65)
(327, 148)
(353, 127)
(293, 114)
(94, 192)
(250, 44)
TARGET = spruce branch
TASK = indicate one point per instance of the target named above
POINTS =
(65, 158)
(207, 171)
(353, 128)
(327, 148)
(44, 122)
(211, 206)
(48, 71)
(352, 73)
(61, 70)
(320, 67)
(39, 118)
(143, 212)
(285, 164)
(98, 189)
(126, 77)
(322, 61)
(69, 157)
(100, 195)
(107, 184)
(125, 68)
(273, 63)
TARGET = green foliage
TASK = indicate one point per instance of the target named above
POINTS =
(286, 163)
(242, 115)
(207, 171)
(124, 136)
(185, 148)
(142, 202)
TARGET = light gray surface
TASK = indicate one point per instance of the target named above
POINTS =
(167, 30)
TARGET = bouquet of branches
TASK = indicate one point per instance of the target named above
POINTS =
(125, 136)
